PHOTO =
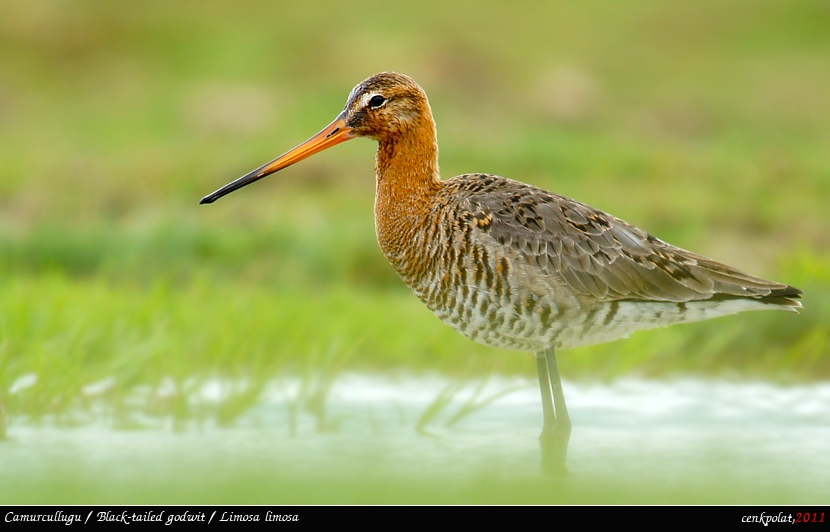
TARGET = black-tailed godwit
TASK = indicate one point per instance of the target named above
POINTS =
(514, 266)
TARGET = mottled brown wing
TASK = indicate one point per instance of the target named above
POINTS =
(601, 256)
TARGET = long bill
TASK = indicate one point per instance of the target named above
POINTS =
(331, 135)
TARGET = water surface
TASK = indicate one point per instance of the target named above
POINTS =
(378, 439)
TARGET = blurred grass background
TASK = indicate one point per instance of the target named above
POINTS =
(705, 123)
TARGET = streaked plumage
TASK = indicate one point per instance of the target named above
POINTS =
(527, 269)
(513, 266)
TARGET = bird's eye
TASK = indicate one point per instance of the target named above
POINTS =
(376, 101)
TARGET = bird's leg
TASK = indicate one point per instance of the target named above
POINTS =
(556, 430)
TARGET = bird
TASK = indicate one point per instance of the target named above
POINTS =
(514, 266)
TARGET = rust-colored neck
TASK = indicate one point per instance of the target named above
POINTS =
(406, 167)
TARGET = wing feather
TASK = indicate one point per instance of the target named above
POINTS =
(598, 255)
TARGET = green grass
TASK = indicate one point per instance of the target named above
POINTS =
(73, 331)
(269, 486)
(705, 124)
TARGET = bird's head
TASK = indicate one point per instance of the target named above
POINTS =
(382, 107)
(385, 105)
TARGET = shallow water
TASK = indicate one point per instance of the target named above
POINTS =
(633, 441)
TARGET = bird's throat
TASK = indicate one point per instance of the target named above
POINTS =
(406, 168)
